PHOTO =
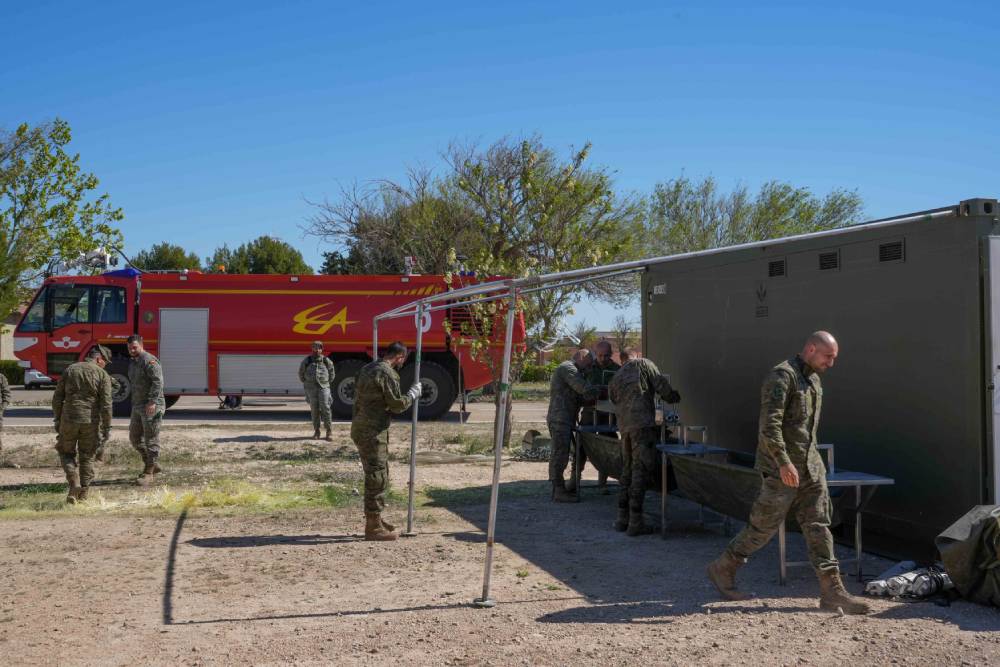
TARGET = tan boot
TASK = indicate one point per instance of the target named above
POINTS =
(722, 572)
(73, 480)
(560, 494)
(329, 435)
(146, 477)
(81, 495)
(316, 434)
(374, 531)
(833, 595)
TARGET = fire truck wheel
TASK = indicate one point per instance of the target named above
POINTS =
(342, 391)
(439, 388)
(170, 400)
(121, 398)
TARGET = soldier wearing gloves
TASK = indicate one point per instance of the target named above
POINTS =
(376, 398)
(793, 476)
(82, 409)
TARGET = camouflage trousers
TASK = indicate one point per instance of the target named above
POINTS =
(562, 437)
(144, 434)
(319, 404)
(811, 504)
(78, 443)
(373, 448)
(637, 443)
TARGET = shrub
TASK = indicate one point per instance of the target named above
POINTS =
(14, 373)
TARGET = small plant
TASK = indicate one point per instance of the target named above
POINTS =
(522, 573)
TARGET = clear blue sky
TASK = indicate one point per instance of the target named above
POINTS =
(210, 123)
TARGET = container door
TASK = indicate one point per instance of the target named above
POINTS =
(183, 348)
(991, 296)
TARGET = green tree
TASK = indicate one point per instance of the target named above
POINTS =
(166, 257)
(686, 215)
(336, 264)
(49, 212)
(265, 254)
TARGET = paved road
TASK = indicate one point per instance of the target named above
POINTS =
(256, 409)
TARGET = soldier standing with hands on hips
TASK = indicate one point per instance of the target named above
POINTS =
(316, 374)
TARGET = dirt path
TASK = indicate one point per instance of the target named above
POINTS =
(141, 584)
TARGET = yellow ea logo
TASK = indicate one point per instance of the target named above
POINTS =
(320, 319)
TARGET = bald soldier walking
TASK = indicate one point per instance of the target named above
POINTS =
(81, 406)
(794, 477)
(376, 398)
(567, 392)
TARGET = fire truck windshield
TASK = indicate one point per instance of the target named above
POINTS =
(59, 305)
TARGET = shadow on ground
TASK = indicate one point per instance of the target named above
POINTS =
(270, 540)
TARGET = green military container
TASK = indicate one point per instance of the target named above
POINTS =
(915, 304)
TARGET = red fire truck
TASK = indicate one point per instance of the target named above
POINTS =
(236, 335)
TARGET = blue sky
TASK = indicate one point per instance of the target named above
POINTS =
(212, 123)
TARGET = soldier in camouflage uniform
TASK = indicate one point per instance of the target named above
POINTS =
(794, 478)
(633, 390)
(316, 375)
(599, 375)
(81, 406)
(376, 398)
(567, 391)
(4, 402)
(145, 376)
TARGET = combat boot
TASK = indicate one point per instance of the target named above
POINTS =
(81, 495)
(316, 434)
(637, 525)
(73, 480)
(833, 595)
(722, 573)
(147, 474)
(621, 523)
(329, 435)
(375, 531)
(385, 524)
(560, 494)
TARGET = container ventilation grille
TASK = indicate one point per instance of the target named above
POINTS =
(829, 261)
(776, 268)
(891, 252)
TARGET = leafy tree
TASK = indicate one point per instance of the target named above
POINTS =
(335, 264)
(586, 334)
(265, 254)
(166, 257)
(685, 215)
(623, 332)
(49, 213)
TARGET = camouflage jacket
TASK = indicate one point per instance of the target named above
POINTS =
(633, 390)
(83, 396)
(376, 398)
(601, 375)
(4, 393)
(145, 376)
(567, 392)
(316, 370)
(790, 403)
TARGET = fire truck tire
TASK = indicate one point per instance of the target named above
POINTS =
(342, 391)
(122, 396)
(439, 388)
(170, 400)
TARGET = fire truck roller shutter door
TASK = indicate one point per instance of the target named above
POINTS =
(439, 388)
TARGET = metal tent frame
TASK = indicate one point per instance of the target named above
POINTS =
(510, 289)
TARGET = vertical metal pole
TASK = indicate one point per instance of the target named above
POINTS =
(461, 389)
(374, 339)
(486, 600)
(663, 494)
(857, 529)
(413, 429)
(782, 573)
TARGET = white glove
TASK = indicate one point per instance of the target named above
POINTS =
(415, 391)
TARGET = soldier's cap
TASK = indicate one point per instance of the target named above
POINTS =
(318, 343)
(105, 352)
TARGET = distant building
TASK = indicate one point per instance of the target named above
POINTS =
(566, 345)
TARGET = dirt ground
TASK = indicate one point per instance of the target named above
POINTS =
(249, 552)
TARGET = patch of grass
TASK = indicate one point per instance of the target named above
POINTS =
(469, 443)
(521, 573)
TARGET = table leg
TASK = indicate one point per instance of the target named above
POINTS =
(781, 553)
(663, 495)
(857, 530)
(576, 466)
